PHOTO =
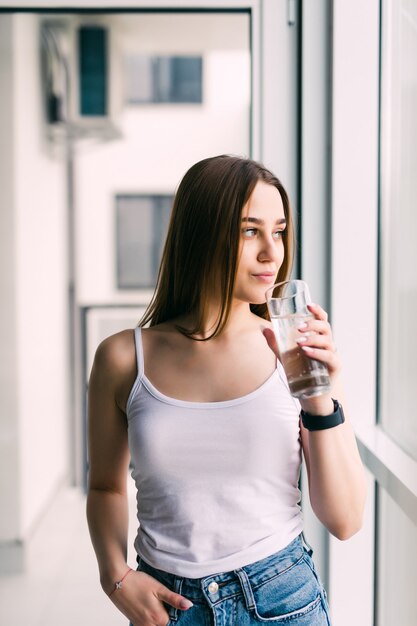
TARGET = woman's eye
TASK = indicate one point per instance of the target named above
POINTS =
(250, 232)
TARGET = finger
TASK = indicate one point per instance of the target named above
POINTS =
(324, 342)
(173, 599)
(318, 312)
(269, 335)
(318, 326)
(325, 356)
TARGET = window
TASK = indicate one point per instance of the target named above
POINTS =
(152, 79)
(396, 522)
(142, 223)
(398, 250)
(397, 555)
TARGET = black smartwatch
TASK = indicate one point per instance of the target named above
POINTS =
(321, 422)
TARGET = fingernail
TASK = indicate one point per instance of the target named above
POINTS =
(186, 604)
(301, 326)
(301, 339)
(307, 348)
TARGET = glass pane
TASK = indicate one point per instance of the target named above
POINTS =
(161, 228)
(399, 223)
(176, 79)
(397, 556)
(139, 79)
(185, 79)
(142, 223)
(134, 242)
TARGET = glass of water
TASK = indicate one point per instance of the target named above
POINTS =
(287, 306)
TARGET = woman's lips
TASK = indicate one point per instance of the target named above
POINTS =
(266, 277)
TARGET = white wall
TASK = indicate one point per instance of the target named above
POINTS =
(160, 142)
(34, 428)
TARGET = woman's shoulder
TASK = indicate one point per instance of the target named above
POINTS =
(116, 355)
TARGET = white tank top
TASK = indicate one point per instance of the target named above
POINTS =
(217, 482)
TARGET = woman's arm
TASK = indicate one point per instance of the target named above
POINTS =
(336, 477)
(107, 507)
(141, 598)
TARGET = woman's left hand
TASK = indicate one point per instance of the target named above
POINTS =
(316, 339)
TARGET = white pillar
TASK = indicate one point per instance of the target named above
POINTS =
(11, 553)
(33, 270)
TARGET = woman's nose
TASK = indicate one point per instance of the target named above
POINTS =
(268, 250)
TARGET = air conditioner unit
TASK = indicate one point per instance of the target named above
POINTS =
(82, 77)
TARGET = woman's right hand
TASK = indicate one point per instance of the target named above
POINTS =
(141, 599)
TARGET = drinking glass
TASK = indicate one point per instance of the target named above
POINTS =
(287, 306)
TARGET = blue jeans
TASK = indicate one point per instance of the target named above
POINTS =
(282, 589)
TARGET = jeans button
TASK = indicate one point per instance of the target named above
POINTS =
(213, 587)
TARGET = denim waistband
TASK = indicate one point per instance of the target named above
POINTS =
(218, 587)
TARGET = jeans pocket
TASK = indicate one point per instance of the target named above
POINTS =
(291, 594)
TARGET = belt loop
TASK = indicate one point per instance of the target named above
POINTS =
(307, 545)
(246, 588)
(173, 611)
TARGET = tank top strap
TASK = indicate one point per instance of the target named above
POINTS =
(140, 368)
(139, 352)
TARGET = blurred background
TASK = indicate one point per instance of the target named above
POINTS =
(103, 107)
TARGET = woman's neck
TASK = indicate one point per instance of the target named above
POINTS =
(240, 317)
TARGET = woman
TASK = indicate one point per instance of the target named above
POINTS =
(200, 403)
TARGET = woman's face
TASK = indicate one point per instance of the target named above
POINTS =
(261, 246)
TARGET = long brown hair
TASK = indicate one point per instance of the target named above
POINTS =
(202, 244)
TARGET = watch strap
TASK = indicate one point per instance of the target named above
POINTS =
(322, 422)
